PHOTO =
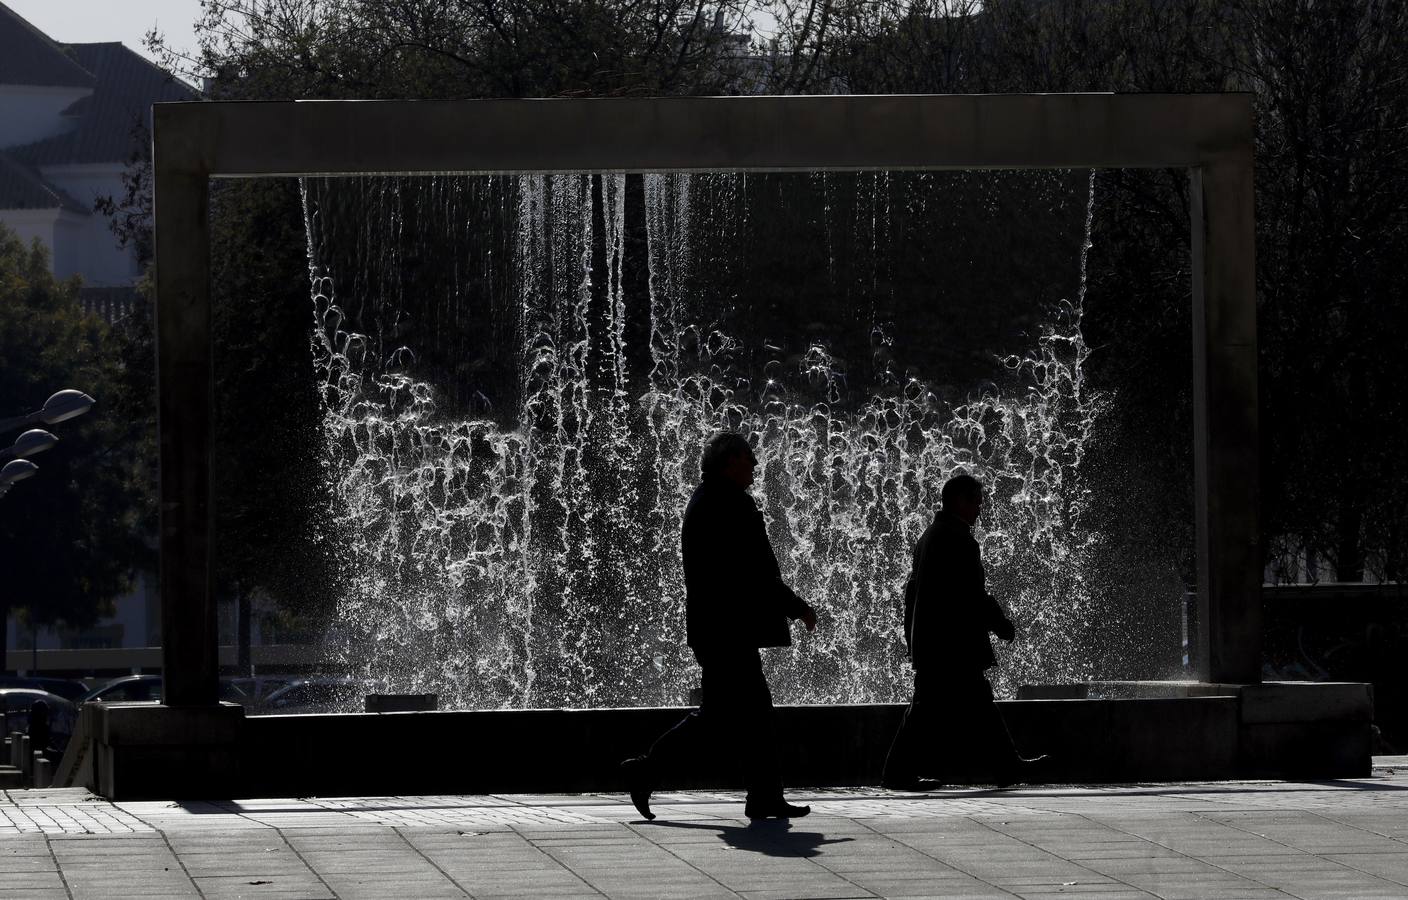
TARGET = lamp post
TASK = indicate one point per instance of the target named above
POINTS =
(13, 471)
(60, 407)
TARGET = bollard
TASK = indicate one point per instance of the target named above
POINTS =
(26, 760)
(15, 748)
(43, 772)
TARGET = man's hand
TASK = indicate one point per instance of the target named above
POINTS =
(1006, 630)
(809, 618)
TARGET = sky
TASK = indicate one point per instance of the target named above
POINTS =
(98, 21)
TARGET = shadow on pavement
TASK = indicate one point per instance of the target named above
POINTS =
(770, 838)
(1121, 790)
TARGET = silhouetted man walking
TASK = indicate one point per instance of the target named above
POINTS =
(952, 723)
(735, 603)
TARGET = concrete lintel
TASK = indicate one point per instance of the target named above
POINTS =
(705, 133)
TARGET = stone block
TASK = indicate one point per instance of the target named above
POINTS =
(147, 750)
(388, 703)
(1052, 691)
(146, 724)
(1128, 740)
(1312, 750)
(1305, 701)
(1215, 731)
(42, 775)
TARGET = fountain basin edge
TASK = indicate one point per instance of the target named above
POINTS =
(1195, 732)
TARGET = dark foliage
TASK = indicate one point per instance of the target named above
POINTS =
(70, 535)
(1332, 205)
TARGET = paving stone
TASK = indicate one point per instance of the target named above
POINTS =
(308, 887)
(12, 881)
(1243, 841)
(786, 894)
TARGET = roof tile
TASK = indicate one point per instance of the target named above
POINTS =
(21, 187)
(127, 86)
(29, 56)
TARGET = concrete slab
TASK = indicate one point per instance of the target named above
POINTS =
(1231, 841)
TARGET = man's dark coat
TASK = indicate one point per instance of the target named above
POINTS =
(948, 610)
(734, 594)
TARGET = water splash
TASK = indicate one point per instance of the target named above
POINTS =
(532, 560)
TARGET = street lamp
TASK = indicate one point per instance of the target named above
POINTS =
(60, 407)
(15, 470)
(35, 440)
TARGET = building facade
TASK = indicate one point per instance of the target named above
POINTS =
(73, 117)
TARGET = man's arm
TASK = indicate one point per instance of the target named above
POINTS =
(999, 624)
(793, 607)
(909, 594)
(789, 604)
(993, 614)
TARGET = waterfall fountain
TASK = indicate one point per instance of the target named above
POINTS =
(476, 564)
(521, 550)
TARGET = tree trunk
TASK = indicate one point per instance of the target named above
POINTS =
(1349, 551)
(242, 629)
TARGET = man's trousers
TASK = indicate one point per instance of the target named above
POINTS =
(735, 719)
(952, 732)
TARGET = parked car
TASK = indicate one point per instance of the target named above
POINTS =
(147, 689)
(257, 688)
(70, 689)
(128, 688)
(318, 695)
(15, 704)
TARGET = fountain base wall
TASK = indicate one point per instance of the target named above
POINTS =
(1152, 731)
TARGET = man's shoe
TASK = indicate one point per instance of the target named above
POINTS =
(640, 782)
(776, 809)
(1025, 771)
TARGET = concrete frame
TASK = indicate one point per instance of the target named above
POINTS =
(1208, 134)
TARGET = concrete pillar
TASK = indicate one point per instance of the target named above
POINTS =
(185, 388)
(1225, 448)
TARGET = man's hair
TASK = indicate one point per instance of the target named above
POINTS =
(964, 487)
(720, 448)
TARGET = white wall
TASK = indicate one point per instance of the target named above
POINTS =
(32, 112)
(75, 245)
(90, 249)
(29, 224)
(135, 612)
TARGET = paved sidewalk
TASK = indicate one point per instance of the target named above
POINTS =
(1239, 841)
